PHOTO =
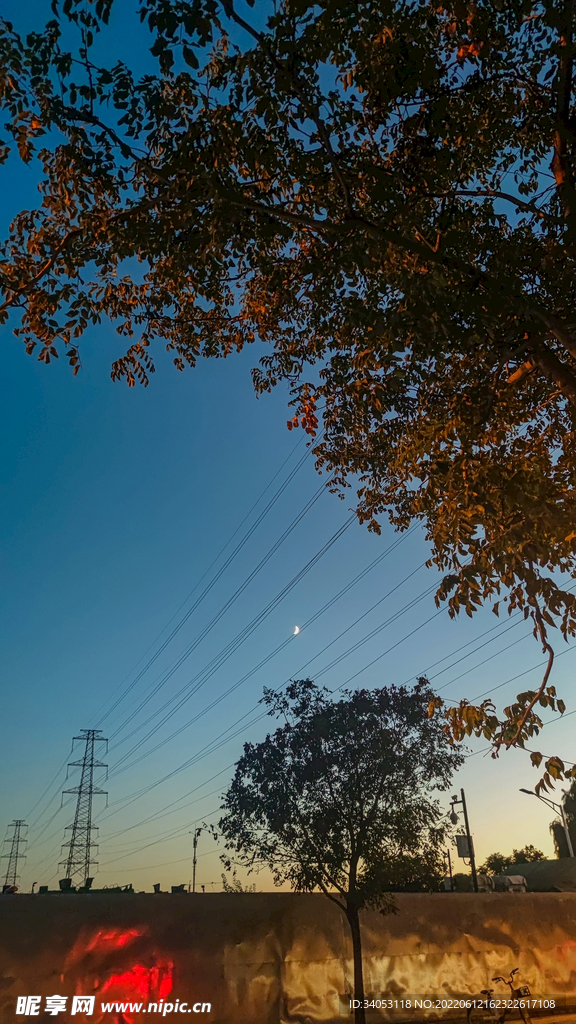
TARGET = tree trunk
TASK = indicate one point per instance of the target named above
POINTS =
(354, 922)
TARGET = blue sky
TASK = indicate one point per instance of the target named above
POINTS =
(114, 504)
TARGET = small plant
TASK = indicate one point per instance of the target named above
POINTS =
(235, 885)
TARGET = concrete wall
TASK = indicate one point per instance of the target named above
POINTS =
(278, 958)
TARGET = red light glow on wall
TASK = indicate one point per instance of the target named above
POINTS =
(142, 983)
(121, 963)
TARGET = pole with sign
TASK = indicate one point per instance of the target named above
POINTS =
(464, 844)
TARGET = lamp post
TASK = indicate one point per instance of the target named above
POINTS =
(454, 819)
(195, 833)
(555, 807)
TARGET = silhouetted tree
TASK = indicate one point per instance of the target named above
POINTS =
(496, 863)
(340, 792)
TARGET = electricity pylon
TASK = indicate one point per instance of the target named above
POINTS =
(11, 877)
(80, 846)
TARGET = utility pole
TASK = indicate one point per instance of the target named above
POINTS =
(454, 819)
(11, 877)
(79, 859)
(195, 835)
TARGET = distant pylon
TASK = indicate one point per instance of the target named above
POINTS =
(80, 846)
(11, 877)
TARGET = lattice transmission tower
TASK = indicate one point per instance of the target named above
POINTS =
(16, 841)
(79, 860)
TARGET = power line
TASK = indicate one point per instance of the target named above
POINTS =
(387, 651)
(263, 715)
(219, 659)
(426, 671)
(177, 833)
(166, 812)
(328, 604)
(470, 755)
(316, 615)
(217, 576)
(174, 834)
(516, 615)
(165, 832)
(58, 846)
(219, 741)
(238, 548)
(486, 660)
(182, 829)
(378, 629)
(513, 679)
(304, 626)
(214, 745)
(202, 677)
(234, 644)
(48, 788)
(412, 632)
(167, 863)
(216, 618)
(47, 824)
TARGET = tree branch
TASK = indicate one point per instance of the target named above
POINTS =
(300, 93)
(557, 329)
(556, 372)
(338, 230)
(89, 118)
(331, 897)
(521, 372)
(519, 203)
(62, 245)
(546, 649)
(15, 295)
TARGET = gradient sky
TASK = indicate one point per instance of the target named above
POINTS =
(114, 504)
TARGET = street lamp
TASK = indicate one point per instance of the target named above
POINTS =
(195, 833)
(454, 820)
(555, 807)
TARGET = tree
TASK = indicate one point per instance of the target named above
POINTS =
(557, 829)
(462, 882)
(403, 871)
(526, 855)
(235, 885)
(380, 193)
(494, 864)
(337, 793)
(497, 863)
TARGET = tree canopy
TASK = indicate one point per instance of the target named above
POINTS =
(381, 196)
(496, 863)
(341, 798)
